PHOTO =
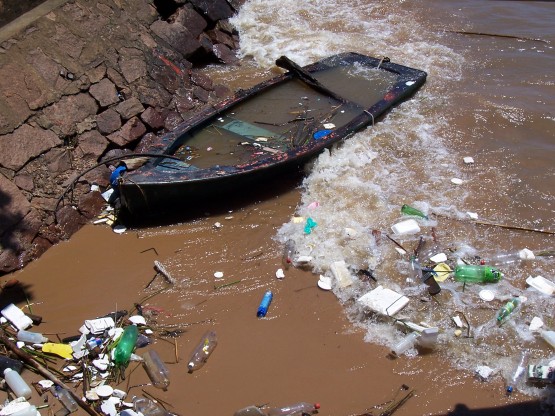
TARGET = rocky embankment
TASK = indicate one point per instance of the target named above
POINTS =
(86, 81)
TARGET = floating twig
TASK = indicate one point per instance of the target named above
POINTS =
(226, 284)
(496, 35)
(162, 270)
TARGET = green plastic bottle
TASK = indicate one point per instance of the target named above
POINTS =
(408, 210)
(507, 309)
(471, 273)
(126, 345)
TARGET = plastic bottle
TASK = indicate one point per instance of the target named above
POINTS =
(249, 411)
(65, 397)
(549, 337)
(288, 252)
(507, 309)
(471, 273)
(17, 384)
(295, 409)
(428, 337)
(202, 351)
(518, 372)
(126, 344)
(156, 370)
(6, 362)
(408, 210)
(405, 344)
(415, 269)
(148, 407)
(264, 304)
(31, 337)
(512, 258)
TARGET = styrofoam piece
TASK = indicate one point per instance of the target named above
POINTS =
(468, 160)
(107, 194)
(341, 274)
(526, 254)
(400, 251)
(406, 227)
(484, 372)
(458, 321)
(472, 215)
(535, 324)
(138, 320)
(104, 390)
(304, 259)
(486, 295)
(457, 181)
(280, 274)
(439, 258)
(324, 282)
(218, 275)
(541, 284)
(384, 301)
(16, 316)
(18, 405)
(97, 326)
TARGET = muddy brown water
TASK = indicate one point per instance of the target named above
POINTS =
(304, 350)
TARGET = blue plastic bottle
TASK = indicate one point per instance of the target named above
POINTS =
(264, 304)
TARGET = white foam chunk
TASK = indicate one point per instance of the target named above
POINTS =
(384, 301)
(406, 227)
(16, 316)
(341, 274)
(468, 160)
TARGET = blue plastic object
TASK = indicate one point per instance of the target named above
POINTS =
(321, 133)
(119, 171)
(264, 304)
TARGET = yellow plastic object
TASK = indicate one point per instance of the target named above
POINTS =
(443, 271)
(62, 350)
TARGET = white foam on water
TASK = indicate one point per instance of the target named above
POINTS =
(405, 158)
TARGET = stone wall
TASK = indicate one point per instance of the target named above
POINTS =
(88, 80)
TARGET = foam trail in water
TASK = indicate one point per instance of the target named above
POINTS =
(361, 185)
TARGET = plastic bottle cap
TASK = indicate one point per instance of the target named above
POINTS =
(316, 406)
(7, 370)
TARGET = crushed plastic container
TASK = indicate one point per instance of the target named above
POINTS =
(384, 301)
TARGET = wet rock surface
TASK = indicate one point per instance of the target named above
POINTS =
(87, 80)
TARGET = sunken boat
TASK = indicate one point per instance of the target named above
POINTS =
(264, 131)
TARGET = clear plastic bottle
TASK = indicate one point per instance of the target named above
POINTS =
(66, 398)
(249, 411)
(408, 210)
(520, 369)
(288, 252)
(148, 407)
(17, 384)
(507, 259)
(126, 345)
(156, 370)
(295, 409)
(405, 344)
(264, 304)
(202, 351)
(31, 337)
(507, 309)
(471, 273)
